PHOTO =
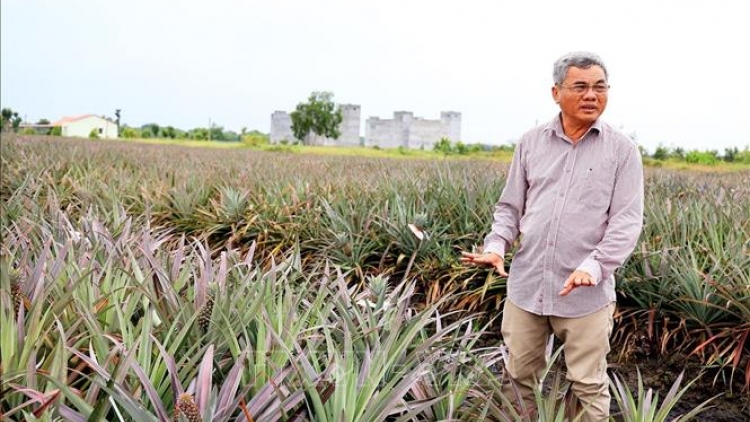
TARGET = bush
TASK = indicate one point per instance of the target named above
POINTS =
(700, 157)
(56, 131)
(443, 146)
(661, 153)
(28, 131)
(256, 140)
(94, 134)
(129, 133)
(742, 157)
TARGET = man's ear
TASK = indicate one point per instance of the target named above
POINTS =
(555, 94)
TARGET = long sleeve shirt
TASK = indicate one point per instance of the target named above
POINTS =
(575, 207)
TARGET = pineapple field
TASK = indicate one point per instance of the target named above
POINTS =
(162, 283)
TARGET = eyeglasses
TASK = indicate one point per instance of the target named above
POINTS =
(580, 88)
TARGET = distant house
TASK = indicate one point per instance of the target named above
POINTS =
(81, 126)
(38, 128)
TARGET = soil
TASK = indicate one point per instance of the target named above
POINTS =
(732, 405)
(660, 373)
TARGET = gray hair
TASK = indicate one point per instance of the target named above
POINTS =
(580, 59)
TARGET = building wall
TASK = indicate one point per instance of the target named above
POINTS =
(83, 127)
(281, 128)
(349, 126)
(425, 133)
(452, 119)
(407, 131)
(385, 133)
(404, 130)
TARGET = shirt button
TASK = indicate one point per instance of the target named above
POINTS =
(561, 194)
(567, 170)
(551, 243)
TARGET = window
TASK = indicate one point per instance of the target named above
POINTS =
(101, 131)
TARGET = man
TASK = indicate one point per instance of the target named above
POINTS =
(574, 194)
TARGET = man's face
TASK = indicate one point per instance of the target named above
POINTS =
(583, 94)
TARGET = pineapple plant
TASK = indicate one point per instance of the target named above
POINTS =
(204, 316)
(186, 408)
(15, 289)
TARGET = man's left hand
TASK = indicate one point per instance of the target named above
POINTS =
(578, 278)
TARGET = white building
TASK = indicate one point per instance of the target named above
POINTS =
(281, 128)
(81, 126)
(406, 130)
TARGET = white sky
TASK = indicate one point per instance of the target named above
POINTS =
(678, 69)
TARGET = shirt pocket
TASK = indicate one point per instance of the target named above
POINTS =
(598, 184)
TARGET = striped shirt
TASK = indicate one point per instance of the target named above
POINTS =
(575, 207)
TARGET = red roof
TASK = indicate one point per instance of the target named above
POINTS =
(66, 120)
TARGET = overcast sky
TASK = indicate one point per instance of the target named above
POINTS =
(679, 70)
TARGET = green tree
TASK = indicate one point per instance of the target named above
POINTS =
(730, 154)
(443, 146)
(7, 115)
(168, 132)
(129, 132)
(198, 133)
(151, 130)
(702, 157)
(319, 116)
(217, 133)
(10, 119)
(231, 135)
(661, 153)
(94, 134)
(56, 131)
(42, 122)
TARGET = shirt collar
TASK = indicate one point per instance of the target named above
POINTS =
(555, 125)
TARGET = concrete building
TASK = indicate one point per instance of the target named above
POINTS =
(407, 131)
(281, 128)
(81, 126)
(404, 130)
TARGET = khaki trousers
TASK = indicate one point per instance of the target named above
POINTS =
(585, 346)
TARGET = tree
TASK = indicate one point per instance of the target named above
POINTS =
(702, 157)
(730, 154)
(254, 138)
(169, 132)
(216, 133)
(10, 119)
(153, 128)
(6, 114)
(117, 114)
(43, 122)
(129, 132)
(443, 146)
(199, 133)
(661, 153)
(319, 116)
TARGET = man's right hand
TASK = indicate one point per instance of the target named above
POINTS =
(491, 259)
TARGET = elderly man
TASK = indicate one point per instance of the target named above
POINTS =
(574, 194)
